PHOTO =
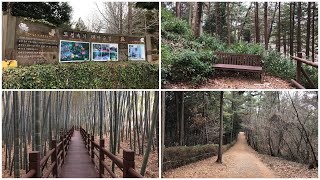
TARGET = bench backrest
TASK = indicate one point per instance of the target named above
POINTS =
(239, 59)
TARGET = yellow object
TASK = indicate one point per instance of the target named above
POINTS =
(9, 64)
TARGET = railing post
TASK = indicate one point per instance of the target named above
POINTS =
(34, 163)
(128, 162)
(101, 158)
(62, 149)
(299, 66)
(54, 158)
(66, 144)
(92, 148)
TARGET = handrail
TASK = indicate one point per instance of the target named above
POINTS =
(313, 64)
(300, 70)
(36, 164)
(126, 165)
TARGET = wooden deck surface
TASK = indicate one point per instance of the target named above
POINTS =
(78, 163)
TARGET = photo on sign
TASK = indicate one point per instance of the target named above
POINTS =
(104, 52)
(136, 52)
(71, 51)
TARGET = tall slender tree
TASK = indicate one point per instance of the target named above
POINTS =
(16, 134)
(257, 28)
(219, 160)
(266, 26)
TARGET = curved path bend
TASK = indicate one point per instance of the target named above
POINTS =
(240, 161)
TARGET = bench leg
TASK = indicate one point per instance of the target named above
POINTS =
(261, 77)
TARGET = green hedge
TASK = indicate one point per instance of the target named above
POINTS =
(92, 75)
(178, 156)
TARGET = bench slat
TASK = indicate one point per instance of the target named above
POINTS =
(238, 67)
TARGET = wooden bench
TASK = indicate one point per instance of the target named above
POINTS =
(239, 62)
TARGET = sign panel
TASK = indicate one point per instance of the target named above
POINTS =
(136, 52)
(104, 52)
(35, 43)
(74, 51)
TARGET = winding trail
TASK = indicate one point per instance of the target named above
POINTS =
(240, 161)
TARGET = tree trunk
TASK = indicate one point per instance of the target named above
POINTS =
(163, 120)
(266, 26)
(178, 10)
(37, 125)
(195, 18)
(219, 160)
(308, 30)
(257, 23)
(155, 117)
(190, 14)
(129, 17)
(182, 119)
(200, 18)
(299, 29)
(291, 27)
(121, 18)
(228, 9)
(284, 43)
(313, 31)
(216, 18)
(244, 21)
(16, 134)
(279, 28)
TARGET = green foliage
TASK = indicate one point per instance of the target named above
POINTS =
(212, 43)
(278, 66)
(246, 48)
(173, 28)
(190, 66)
(111, 75)
(56, 13)
(182, 155)
(282, 67)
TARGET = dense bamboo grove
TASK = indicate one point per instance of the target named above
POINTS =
(32, 119)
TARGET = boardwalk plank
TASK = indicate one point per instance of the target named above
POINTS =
(78, 163)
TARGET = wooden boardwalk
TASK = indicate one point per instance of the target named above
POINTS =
(78, 163)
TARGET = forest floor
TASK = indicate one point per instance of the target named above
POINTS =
(287, 169)
(227, 80)
(240, 161)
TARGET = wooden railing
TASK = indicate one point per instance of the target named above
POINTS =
(126, 165)
(57, 155)
(300, 70)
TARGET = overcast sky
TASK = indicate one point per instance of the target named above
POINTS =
(82, 9)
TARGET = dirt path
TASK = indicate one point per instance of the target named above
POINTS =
(238, 81)
(240, 161)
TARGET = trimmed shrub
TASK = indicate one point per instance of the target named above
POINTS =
(178, 156)
(190, 66)
(91, 75)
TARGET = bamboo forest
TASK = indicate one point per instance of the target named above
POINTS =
(239, 45)
(239, 134)
(80, 134)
